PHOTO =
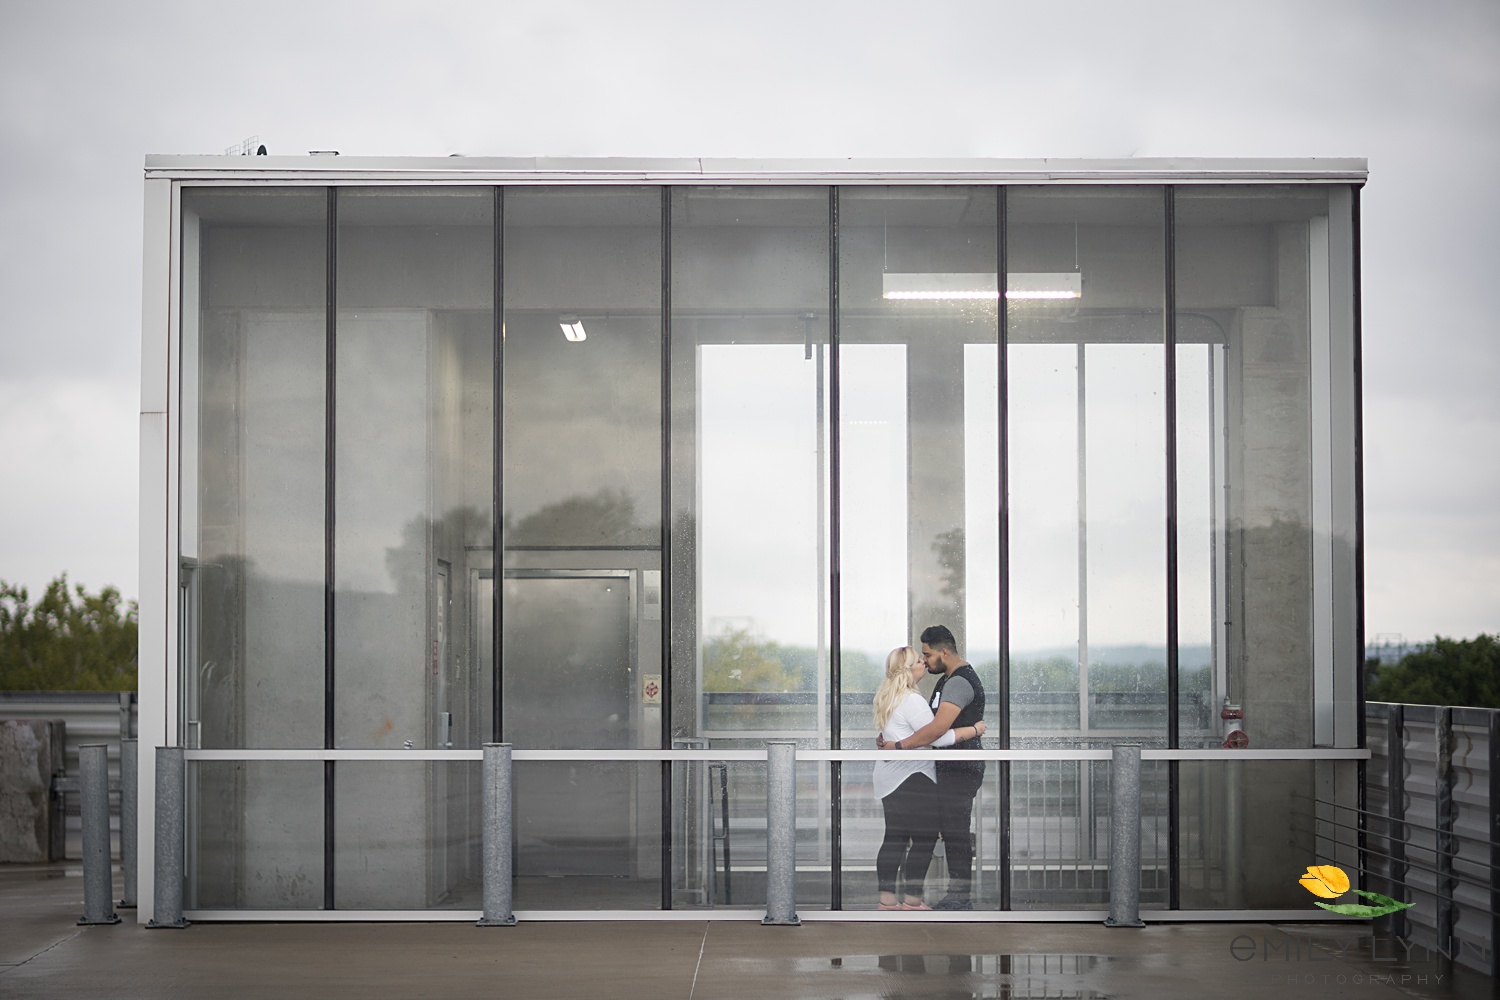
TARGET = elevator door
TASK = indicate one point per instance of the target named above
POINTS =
(568, 676)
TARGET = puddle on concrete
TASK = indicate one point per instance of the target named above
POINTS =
(950, 976)
(38, 873)
(954, 965)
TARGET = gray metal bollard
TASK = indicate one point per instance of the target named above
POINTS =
(129, 796)
(93, 767)
(781, 833)
(496, 810)
(171, 833)
(1125, 838)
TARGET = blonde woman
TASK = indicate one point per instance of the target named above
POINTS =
(907, 788)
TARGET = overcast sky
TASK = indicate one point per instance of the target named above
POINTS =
(88, 89)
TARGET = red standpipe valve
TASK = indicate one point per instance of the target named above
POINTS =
(1234, 720)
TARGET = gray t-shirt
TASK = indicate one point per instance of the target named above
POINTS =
(958, 692)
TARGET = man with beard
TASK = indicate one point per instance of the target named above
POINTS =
(958, 700)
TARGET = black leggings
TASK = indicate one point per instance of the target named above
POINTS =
(911, 830)
(957, 784)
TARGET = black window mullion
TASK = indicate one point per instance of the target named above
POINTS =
(1002, 684)
(330, 483)
(1169, 334)
(835, 604)
(665, 593)
(497, 471)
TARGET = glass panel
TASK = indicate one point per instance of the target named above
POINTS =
(582, 368)
(588, 835)
(1059, 823)
(719, 834)
(1250, 828)
(1087, 469)
(413, 458)
(749, 446)
(407, 835)
(567, 648)
(255, 835)
(1253, 317)
(1060, 818)
(582, 501)
(253, 364)
(919, 446)
(1200, 447)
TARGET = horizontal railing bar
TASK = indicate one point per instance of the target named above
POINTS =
(1409, 864)
(1404, 822)
(1387, 878)
(757, 754)
(1311, 753)
(1411, 846)
(1148, 914)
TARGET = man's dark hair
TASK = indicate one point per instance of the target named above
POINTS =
(938, 637)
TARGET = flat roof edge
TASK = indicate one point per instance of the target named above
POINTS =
(609, 170)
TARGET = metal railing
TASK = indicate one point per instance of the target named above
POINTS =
(89, 718)
(1428, 832)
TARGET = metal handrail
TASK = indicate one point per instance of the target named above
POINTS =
(1405, 861)
(1406, 822)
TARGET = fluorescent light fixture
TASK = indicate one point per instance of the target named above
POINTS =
(954, 286)
(572, 328)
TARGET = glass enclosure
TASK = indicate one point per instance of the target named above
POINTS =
(613, 468)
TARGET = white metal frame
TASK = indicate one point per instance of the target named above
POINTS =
(379, 170)
(165, 176)
(823, 916)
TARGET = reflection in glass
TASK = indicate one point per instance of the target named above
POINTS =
(750, 453)
(919, 456)
(588, 835)
(1087, 468)
(413, 479)
(1247, 827)
(407, 835)
(1200, 512)
(719, 834)
(1252, 267)
(255, 835)
(582, 368)
(253, 458)
(1060, 819)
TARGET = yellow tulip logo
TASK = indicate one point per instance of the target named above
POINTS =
(1329, 881)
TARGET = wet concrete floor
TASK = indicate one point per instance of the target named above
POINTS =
(44, 954)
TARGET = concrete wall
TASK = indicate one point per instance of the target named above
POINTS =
(30, 750)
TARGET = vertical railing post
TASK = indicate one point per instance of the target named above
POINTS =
(781, 833)
(93, 768)
(1395, 790)
(1444, 884)
(693, 874)
(1125, 837)
(129, 794)
(171, 836)
(1494, 797)
(498, 814)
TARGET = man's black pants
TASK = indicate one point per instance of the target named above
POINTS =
(957, 784)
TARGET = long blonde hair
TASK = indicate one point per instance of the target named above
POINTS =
(896, 685)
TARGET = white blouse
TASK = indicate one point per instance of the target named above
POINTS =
(910, 715)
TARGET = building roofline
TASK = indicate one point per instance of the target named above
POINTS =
(620, 170)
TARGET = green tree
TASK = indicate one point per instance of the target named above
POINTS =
(70, 640)
(735, 661)
(607, 517)
(1464, 672)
